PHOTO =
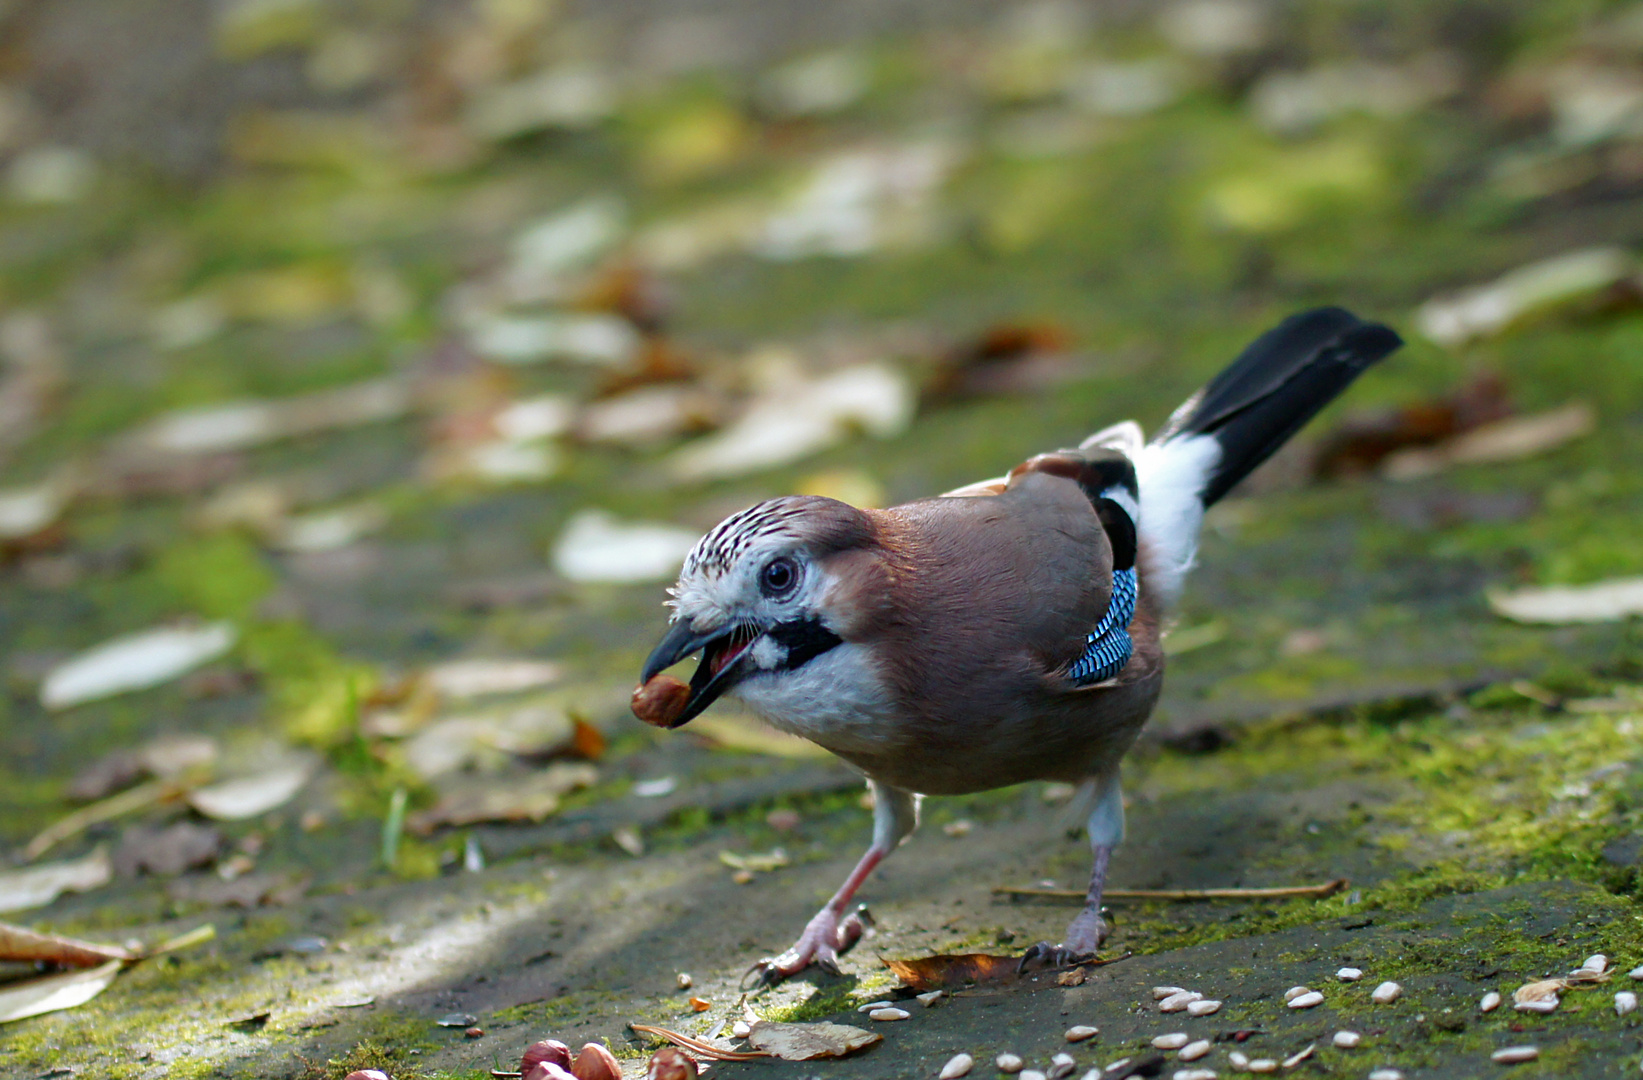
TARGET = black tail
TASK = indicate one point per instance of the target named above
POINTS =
(1278, 383)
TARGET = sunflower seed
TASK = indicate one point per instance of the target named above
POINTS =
(1596, 962)
(1543, 1005)
(1386, 1074)
(1239, 1059)
(1511, 1055)
(888, 1014)
(1307, 1000)
(1346, 1040)
(1173, 1041)
(1082, 1032)
(1349, 974)
(1178, 1002)
(1194, 1050)
(1115, 1066)
(1062, 1065)
(1636, 972)
(1202, 1008)
(1033, 1074)
(1008, 1063)
(1386, 992)
(1624, 1002)
(1299, 1056)
(871, 1005)
(1262, 1065)
(959, 1065)
(930, 998)
(741, 1029)
(1194, 1074)
(1159, 993)
(1296, 991)
(1490, 1002)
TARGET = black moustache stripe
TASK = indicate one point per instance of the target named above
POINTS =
(804, 640)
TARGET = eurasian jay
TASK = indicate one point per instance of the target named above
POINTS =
(1004, 632)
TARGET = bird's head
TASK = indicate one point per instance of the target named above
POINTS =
(753, 596)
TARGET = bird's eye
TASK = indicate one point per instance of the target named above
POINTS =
(778, 577)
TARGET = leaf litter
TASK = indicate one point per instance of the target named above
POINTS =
(23, 998)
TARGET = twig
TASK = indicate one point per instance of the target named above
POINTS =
(1328, 888)
(142, 795)
(707, 1050)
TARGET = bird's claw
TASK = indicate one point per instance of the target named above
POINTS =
(825, 939)
(1041, 955)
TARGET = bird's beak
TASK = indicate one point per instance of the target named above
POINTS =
(724, 662)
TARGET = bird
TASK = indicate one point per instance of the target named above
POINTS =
(1004, 632)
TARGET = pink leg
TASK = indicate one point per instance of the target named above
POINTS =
(830, 932)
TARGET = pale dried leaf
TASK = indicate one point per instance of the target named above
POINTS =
(1504, 440)
(36, 886)
(244, 424)
(596, 547)
(808, 1042)
(1543, 990)
(754, 736)
(1602, 601)
(477, 678)
(487, 740)
(528, 798)
(55, 992)
(250, 796)
(135, 662)
(25, 511)
(1529, 290)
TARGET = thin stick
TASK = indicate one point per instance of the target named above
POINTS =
(1328, 888)
(707, 1050)
(82, 819)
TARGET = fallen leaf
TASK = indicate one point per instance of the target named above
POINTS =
(244, 424)
(477, 678)
(1602, 601)
(166, 756)
(1543, 990)
(940, 972)
(165, 851)
(596, 547)
(1576, 277)
(588, 339)
(488, 740)
(52, 993)
(762, 862)
(36, 886)
(247, 891)
(529, 798)
(808, 1042)
(21, 945)
(135, 662)
(700, 1047)
(1504, 440)
(250, 796)
(754, 736)
(26, 511)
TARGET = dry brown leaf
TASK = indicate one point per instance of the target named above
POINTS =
(54, 992)
(940, 972)
(1503, 440)
(530, 798)
(807, 1042)
(22, 945)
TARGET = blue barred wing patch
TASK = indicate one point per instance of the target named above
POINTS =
(1108, 647)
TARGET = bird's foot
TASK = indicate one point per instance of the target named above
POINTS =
(1084, 938)
(826, 937)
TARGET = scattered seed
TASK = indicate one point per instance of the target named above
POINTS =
(1636, 972)
(1346, 1040)
(1082, 1032)
(1033, 1074)
(888, 1014)
(1262, 1065)
(1386, 1074)
(929, 998)
(1173, 1041)
(1194, 1050)
(684, 980)
(1115, 1066)
(741, 1029)
(958, 828)
(1202, 1008)
(1490, 1002)
(1624, 1002)
(1511, 1055)
(1296, 991)
(1385, 993)
(1596, 962)
(959, 1065)
(1299, 1056)
(1544, 1005)
(1239, 1059)
(1307, 1000)
(871, 1005)
(1178, 1002)
(1062, 1065)
(1194, 1074)
(1543, 990)
(1349, 974)
(1008, 1063)
(1159, 993)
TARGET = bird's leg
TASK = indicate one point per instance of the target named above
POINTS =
(831, 932)
(1088, 930)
